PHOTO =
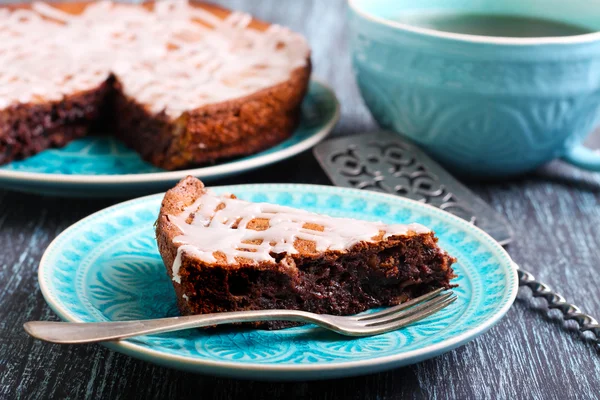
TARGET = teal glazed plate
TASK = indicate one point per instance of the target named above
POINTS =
(104, 167)
(107, 268)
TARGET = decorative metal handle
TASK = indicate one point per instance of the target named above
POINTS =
(586, 322)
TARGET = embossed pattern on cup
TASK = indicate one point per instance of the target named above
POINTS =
(481, 108)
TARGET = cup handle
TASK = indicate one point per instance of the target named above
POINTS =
(582, 157)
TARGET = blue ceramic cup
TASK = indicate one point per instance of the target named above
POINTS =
(483, 106)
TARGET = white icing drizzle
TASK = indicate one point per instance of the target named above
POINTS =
(177, 265)
(212, 230)
(174, 58)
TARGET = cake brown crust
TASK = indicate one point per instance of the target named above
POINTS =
(214, 132)
(200, 136)
(368, 275)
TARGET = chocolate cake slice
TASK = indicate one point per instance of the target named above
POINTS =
(226, 254)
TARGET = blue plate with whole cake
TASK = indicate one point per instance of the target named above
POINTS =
(108, 267)
(172, 89)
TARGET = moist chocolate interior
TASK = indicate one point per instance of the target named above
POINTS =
(348, 284)
(27, 129)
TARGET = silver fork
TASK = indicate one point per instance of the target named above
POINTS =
(359, 325)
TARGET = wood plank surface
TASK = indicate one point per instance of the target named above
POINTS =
(555, 213)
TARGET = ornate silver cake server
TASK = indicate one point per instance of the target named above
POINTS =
(384, 162)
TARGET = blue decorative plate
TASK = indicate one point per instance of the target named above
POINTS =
(107, 267)
(104, 167)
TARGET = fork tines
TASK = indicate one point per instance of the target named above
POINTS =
(406, 313)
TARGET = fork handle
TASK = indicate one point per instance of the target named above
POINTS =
(79, 333)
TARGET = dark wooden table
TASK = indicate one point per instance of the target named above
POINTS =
(555, 213)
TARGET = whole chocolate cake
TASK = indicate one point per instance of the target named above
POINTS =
(181, 83)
